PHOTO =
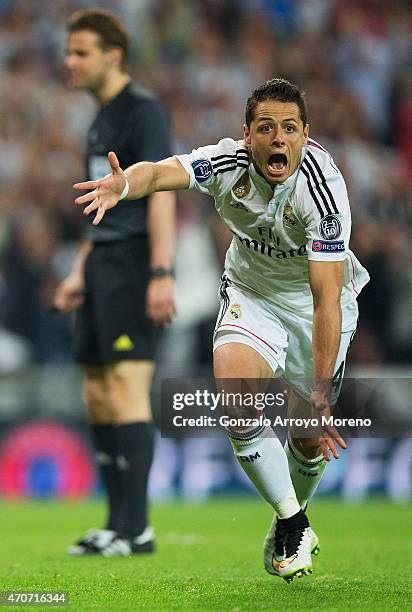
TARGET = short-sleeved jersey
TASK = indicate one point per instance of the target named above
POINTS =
(276, 231)
(135, 126)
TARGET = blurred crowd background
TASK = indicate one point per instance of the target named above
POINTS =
(202, 57)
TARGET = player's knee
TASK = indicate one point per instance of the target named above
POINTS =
(240, 418)
(309, 447)
(238, 404)
(239, 361)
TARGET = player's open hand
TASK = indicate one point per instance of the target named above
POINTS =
(331, 436)
(105, 192)
(160, 302)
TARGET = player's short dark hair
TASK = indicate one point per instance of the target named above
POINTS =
(110, 29)
(276, 89)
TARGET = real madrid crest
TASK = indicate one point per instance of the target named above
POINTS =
(242, 187)
(289, 218)
(235, 312)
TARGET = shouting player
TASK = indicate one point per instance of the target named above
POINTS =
(289, 276)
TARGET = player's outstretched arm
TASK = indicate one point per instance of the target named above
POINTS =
(105, 192)
(138, 181)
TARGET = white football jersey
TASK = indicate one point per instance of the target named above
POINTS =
(275, 232)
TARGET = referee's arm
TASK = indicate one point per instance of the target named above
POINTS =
(161, 227)
(69, 293)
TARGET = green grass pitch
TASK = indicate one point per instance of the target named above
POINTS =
(209, 558)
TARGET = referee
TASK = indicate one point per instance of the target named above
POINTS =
(121, 283)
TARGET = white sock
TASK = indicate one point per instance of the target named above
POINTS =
(262, 457)
(306, 473)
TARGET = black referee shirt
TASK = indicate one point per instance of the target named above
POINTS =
(134, 126)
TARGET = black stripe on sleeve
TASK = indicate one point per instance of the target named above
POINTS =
(227, 169)
(225, 162)
(324, 183)
(309, 167)
(312, 193)
(224, 300)
(239, 152)
(313, 143)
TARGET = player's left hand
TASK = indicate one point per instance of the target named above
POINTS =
(160, 302)
(331, 436)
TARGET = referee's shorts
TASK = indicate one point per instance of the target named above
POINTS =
(112, 325)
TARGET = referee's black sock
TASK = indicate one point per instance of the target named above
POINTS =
(135, 443)
(105, 441)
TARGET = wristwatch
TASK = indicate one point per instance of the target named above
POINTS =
(161, 272)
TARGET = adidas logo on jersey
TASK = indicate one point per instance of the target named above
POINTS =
(123, 343)
(238, 205)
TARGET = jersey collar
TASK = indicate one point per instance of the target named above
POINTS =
(260, 183)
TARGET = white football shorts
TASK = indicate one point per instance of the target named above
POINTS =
(281, 337)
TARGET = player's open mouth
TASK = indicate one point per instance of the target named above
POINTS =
(277, 164)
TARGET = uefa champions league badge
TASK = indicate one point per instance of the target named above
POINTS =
(328, 246)
(202, 169)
